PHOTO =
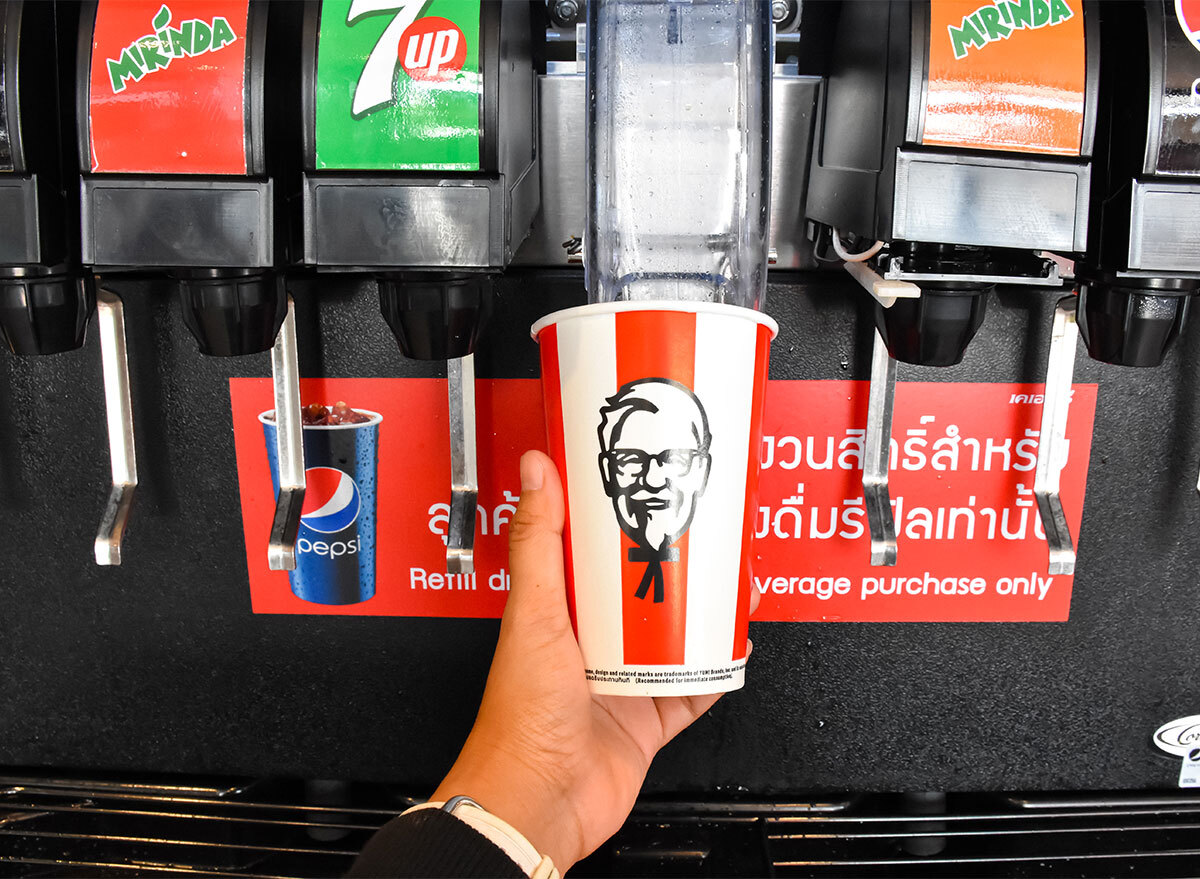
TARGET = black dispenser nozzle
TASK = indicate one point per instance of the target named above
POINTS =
(935, 328)
(1131, 321)
(233, 313)
(46, 314)
(436, 315)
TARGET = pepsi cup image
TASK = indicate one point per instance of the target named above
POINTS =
(335, 546)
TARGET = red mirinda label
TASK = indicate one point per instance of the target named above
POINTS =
(168, 84)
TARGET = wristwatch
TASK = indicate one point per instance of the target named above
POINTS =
(500, 833)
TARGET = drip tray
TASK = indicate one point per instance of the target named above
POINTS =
(123, 826)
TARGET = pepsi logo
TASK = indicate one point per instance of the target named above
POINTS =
(331, 500)
(1187, 13)
(433, 48)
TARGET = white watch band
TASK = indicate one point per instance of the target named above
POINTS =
(499, 832)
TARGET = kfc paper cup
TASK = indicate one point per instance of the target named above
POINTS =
(654, 419)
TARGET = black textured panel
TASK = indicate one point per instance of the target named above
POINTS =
(159, 664)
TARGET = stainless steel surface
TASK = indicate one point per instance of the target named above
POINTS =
(1034, 204)
(918, 74)
(564, 192)
(289, 446)
(1164, 227)
(118, 405)
(885, 291)
(464, 476)
(270, 828)
(878, 450)
(564, 199)
(1050, 278)
(1105, 801)
(1060, 368)
(793, 108)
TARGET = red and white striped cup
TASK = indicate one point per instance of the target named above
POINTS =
(654, 419)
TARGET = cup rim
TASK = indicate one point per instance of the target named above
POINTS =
(376, 418)
(600, 308)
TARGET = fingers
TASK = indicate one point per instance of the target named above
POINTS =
(755, 599)
(676, 713)
(535, 543)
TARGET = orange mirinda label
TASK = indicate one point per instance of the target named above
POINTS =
(1006, 75)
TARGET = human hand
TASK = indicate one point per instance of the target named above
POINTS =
(560, 764)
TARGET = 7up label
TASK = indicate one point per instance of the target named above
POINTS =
(398, 85)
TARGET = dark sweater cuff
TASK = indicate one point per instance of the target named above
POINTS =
(433, 843)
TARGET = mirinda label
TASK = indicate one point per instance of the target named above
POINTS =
(1006, 75)
(168, 85)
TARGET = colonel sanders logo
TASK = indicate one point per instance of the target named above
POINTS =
(654, 460)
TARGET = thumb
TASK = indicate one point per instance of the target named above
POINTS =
(535, 548)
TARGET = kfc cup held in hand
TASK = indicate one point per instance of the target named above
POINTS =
(654, 419)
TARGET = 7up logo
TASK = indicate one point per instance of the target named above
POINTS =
(156, 51)
(425, 49)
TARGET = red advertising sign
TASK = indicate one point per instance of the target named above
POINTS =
(168, 87)
(971, 547)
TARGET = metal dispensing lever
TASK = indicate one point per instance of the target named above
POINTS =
(1052, 442)
(464, 475)
(118, 405)
(878, 440)
(289, 446)
(878, 451)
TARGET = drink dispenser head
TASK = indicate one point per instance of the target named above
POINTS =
(678, 129)
(436, 315)
(44, 315)
(44, 306)
(935, 328)
(232, 313)
(171, 111)
(1131, 321)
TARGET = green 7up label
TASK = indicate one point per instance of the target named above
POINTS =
(398, 85)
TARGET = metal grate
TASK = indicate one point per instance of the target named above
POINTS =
(118, 827)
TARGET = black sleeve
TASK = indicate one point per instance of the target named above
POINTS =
(433, 843)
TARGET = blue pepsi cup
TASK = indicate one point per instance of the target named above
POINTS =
(335, 546)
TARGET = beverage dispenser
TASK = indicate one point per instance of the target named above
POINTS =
(953, 151)
(46, 300)
(45, 303)
(176, 183)
(420, 168)
(1142, 266)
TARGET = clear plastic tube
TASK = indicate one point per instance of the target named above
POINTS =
(679, 99)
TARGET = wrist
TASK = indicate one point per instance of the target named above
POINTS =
(520, 797)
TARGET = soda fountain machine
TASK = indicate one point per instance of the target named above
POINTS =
(942, 170)
(176, 182)
(420, 168)
(1142, 266)
(46, 301)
